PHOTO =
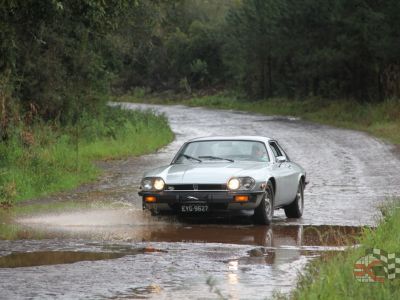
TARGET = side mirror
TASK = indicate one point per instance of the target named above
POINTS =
(280, 159)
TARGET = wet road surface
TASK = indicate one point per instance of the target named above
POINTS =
(122, 253)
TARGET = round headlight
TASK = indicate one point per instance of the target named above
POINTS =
(234, 184)
(247, 183)
(147, 184)
(159, 184)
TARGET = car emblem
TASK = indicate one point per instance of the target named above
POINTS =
(195, 187)
(171, 188)
(192, 198)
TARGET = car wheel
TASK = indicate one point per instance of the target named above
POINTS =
(265, 210)
(295, 209)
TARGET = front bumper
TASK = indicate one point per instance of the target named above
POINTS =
(216, 200)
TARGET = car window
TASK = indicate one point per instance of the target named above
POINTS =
(283, 152)
(228, 149)
(275, 149)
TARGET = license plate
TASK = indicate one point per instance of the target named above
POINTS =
(194, 208)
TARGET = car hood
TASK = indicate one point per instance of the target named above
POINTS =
(213, 172)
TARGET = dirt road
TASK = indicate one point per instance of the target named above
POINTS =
(134, 256)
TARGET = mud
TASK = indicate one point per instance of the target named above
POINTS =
(350, 175)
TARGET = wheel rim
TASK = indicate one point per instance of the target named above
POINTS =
(268, 208)
(300, 198)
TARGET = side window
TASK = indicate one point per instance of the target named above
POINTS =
(275, 149)
(283, 152)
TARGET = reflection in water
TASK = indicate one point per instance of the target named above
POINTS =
(134, 226)
(166, 259)
(233, 265)
(47, 258)
(233, 278)
(273, 236)
(31, 259)
(144, 257)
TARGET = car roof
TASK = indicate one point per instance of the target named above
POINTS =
(230, 138)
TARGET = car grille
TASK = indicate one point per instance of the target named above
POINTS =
(196, 187)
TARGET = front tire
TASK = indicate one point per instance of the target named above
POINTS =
(295, 209)
(265, 210)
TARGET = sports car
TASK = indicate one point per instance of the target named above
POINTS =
(226, 174)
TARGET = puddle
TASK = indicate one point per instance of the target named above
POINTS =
(135, 226)
(273, 236)
(48, 258)
(135, 256)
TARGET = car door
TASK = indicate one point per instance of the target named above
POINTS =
(285, 176)
(293, 176)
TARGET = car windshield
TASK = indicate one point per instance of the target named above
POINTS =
(222, 151)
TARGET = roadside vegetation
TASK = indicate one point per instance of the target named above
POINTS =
(43, 158)
(332, 277)
(60, 62)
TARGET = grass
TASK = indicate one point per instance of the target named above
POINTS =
(379, 119)
(332, 277)
(45, 158)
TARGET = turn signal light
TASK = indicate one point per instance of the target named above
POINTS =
(241, 198)
(150, 199)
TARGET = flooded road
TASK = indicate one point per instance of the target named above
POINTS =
(123, 253)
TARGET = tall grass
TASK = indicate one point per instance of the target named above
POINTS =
(44, 158)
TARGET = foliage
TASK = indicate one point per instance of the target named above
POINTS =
(315, 48)
(51, 50)
(47, 157)
(60, 56)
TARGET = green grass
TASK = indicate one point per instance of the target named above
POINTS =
(45, 158)
(332, 277)
(379, 119)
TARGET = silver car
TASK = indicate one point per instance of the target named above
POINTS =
(220, 174)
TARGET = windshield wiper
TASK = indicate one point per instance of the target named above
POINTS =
(191, 157)
(216, 157)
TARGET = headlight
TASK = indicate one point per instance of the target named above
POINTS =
(159, 184)
(247, 183)
(234, 184)
(241, 183)
(149, 184)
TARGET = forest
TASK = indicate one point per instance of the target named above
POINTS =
(60, 56)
